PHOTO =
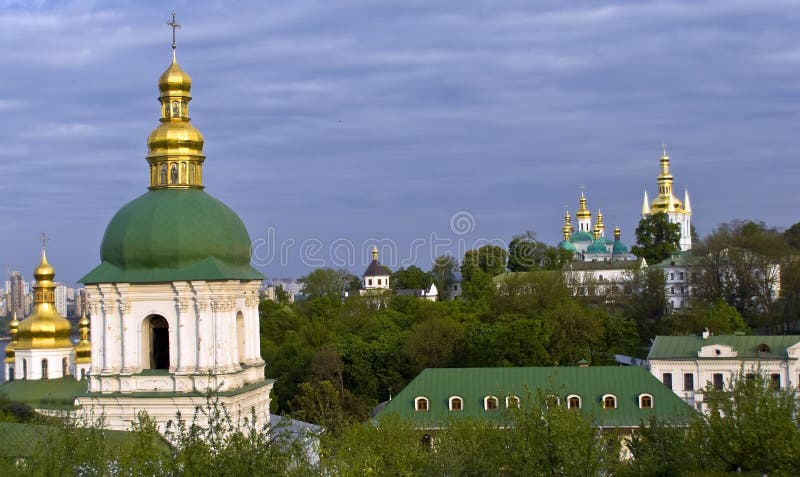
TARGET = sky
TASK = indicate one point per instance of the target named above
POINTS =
(428, 127)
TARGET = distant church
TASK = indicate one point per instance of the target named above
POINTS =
(174, 301)
(589, 243)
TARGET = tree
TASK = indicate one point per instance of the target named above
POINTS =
(411, 278)
(656, 238)
(647, 304)
(792, 237)
(522, 252)
(324, 282)
(490, 259)
(443, 274)
(433, 343)
(718, 317)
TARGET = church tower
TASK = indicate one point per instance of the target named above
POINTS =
(678, 213)
(174, 301)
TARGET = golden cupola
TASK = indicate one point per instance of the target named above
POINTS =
(175, 147)
(83, 350)
(44, 328)
(566, 230)
(583, 211)
(666, 200)
(13, 328)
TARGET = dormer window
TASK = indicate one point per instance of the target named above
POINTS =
(573, 401)
(421, 404)
(645, 401)
(456, 403)
(490, 403)
(512, 401)
(763, 348)
(609, 401)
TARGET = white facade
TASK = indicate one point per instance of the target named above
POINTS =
(715, 362)
(34, 364)
(179, 339)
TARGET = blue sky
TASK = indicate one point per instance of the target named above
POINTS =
(331, 124)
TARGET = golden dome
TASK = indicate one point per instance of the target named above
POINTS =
(174, 81)
(44, 328)
(13, 329)
(583, 211)
(83, 350)
(175, 137)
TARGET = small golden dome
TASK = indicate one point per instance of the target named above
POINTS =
(44, 328)
(13, 329)
(175, 138)
(83, 350)
(174, 81)
(44, 271)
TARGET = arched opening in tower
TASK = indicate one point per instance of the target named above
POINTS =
(159, 342)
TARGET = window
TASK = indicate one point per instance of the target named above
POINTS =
(490, 403)
(666, 378)
(645, 401)
(456, 403)
(609, 401)
(749, 376)
(512, 401)
(672, 276)
(83, 374)
(64, 367)
(379, 281)
(369, 281)
(775, 380)
(551, 401)
(718, 381)
(680, 275)
(573, 401)
(45, 373)
(11, 373)
(155, 345)
(688, 382)
(763, 348)
(24, 369)
(601, 278)
(421, 404)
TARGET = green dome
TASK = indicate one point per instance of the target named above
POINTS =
(567, 245)
(619, 248)
(581, 237)
(598, 246)
(174, 234)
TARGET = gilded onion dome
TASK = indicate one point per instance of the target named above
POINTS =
(666, 200)
(83, 350)
(175, 147)
(13, 328)
(566, 230)
(583, 211)
(44, 328)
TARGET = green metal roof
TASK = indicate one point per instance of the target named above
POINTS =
(167, 235)
(45, 393)
(581, 237)
(686, 347)
(619, 248)
(567, 245)
(681, 258)
(598, 246)
(590, 383)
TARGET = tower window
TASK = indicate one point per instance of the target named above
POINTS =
(156, 342)
(64, 367)
(45, 373)
(176, 109)
(163, 176)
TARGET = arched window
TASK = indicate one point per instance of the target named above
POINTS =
(645, 401)
(64, 367)
(24, 369)
(163, 174)
(45, 372)
(83, 374)
(763, 348)
(456, 403)
(512, 401)
(573, 401)
(490, 403)
(240, 338)
(421, 404)
(155, 343)
(551, 401)
(11, 373)
(609, 401)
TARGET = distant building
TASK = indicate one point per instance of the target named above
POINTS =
(678, 213)
(376, 276)
(61, 299)
(16, 294)
(687, 364)
(430, 294)
(617, 398)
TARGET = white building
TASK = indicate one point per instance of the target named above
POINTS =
(174, 301)
(376, 276)
(687, 364)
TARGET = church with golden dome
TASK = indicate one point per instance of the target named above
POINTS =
(40, 347)
(174, 300)
(678, 212)
(589, 243)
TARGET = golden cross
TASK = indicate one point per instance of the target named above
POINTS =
(175, 26)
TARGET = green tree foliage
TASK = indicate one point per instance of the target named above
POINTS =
(324, 282)
(646, 303)
(412, 277)
(792, 237)
(443, 274)
(522, 252)
(490, 259)
(656, 238)
(719, 317)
